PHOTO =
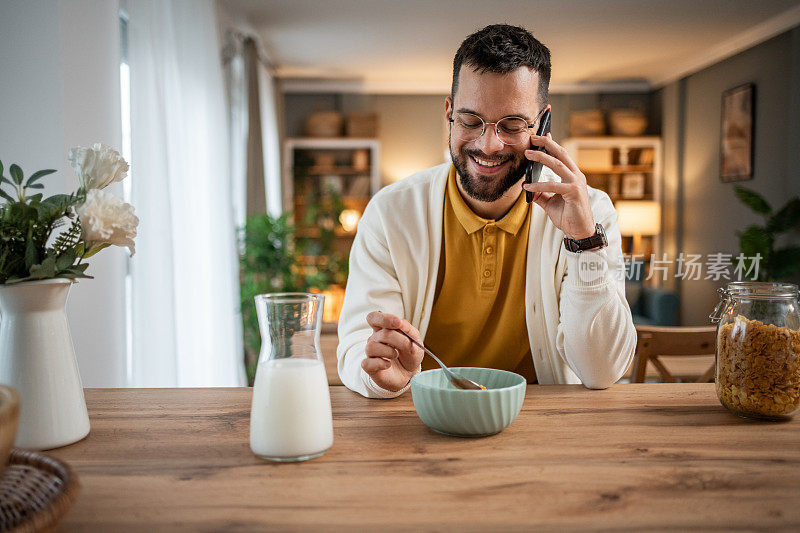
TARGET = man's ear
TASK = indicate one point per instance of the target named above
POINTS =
(448, 107)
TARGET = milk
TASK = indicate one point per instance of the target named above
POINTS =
(290, 418)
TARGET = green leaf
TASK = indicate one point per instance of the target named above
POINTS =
(784, 263)
(3, 179)
(31, 254)
(7, 196)
(59, 203)
(1, 168)
(55, 205)
(16, 173)
(35, 199)
(753, 200)
(755, 240)
(65, 260)
(786, 218)
(12, 280)
(45, 270)
(38, 175)
(95, 250)
(61, 200)
(35, 186)
(73, 275)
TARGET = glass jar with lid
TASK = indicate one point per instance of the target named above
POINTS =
(758, 349)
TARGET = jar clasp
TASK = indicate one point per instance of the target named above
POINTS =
(719, 310)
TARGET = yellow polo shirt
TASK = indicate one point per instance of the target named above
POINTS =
(478, 315)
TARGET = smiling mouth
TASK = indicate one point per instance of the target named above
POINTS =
(486, 163)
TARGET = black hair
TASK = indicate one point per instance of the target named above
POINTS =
(502, 48)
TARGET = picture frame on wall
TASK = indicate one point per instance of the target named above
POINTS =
(737, 132)
(633, 186)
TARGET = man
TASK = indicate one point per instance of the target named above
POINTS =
(455, 256)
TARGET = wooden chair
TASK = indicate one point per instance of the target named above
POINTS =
(657, 341)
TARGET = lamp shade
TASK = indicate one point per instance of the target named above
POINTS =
(639, 217)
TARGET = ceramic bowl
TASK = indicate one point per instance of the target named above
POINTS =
(468, 413)
(9, 418)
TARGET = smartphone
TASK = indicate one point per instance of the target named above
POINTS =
(533, 170)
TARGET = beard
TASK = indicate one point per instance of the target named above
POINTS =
(486, 189)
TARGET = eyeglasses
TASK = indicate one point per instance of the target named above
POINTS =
(510, 130)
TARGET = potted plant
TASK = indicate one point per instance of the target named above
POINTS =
(777, 263)
(44, 245)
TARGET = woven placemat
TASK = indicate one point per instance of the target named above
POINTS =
(35, 492)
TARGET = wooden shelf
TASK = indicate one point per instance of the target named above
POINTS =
(336, 171)
(603, 159)
(347, 200)
(318, 173)
(630, 169)
(314, 233)
(620, 198)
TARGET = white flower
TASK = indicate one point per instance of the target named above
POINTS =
(98, 166)
(105, 220)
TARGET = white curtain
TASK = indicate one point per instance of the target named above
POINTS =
(270, 140)
(239, 120)
(236, 88)
(185, 324)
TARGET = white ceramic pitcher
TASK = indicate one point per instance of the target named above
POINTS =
(38, 359)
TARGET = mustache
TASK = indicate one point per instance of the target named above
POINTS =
(481, 155)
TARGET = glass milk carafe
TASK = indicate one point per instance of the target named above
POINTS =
(290, 417)
(758, 349)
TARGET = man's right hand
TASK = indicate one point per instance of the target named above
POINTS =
(391, 358)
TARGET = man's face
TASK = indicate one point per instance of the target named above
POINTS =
(492, 96)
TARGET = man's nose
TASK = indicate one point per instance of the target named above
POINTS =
(489, 142)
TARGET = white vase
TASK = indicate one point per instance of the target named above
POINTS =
(38, 359)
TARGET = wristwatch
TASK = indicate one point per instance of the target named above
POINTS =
(595, 242)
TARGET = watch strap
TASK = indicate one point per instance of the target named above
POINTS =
(593, 242)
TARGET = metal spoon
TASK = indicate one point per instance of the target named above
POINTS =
(455, 379)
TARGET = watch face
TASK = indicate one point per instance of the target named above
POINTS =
(598, 240)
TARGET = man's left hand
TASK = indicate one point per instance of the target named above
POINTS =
(566, 203)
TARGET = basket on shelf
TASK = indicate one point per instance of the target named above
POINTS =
(587, 123)
(324, 124)
(627, 122)
(364, 125)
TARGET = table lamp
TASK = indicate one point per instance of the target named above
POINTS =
(637, 218)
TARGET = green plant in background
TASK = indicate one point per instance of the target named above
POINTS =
(266, 265)
(776, 263)
(269, 264)
(322, 214)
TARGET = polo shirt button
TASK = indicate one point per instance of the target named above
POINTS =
(489, 229)
(489, 250)
(487, 273)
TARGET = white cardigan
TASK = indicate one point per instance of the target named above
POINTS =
(580, 329)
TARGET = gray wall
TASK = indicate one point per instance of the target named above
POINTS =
(708, 212)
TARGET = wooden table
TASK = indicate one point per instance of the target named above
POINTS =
(634, 457)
